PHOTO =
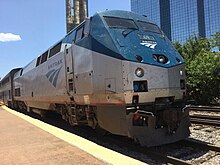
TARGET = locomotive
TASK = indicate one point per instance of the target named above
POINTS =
(116, 72)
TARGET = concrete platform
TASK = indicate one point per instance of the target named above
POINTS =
(25, 140)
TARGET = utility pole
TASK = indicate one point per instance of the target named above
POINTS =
(76, 12)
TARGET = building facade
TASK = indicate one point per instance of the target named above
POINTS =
(181, 19)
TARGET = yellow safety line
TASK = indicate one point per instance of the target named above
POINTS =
(92, 148)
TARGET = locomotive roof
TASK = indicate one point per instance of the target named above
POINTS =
(12, 72)
(122, 14)
(108, 13)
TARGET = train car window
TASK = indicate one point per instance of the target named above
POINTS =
(70, 37)
(21, 72)
(79, 33)
(18, 92)
(55, 49)
(44, 57)
(149, 27)
(87, 27)
(38, 61)
(9, 94)
(120, 23)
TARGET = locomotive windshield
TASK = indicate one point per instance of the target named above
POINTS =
(149, 27)
(120, 23)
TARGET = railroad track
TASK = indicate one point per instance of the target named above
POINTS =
(205, 119)
(170, 156)
(187, 151)
(196, 143)
(191, 143)
(151, 152)
(204, 108)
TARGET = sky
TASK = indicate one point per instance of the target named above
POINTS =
(30, 27)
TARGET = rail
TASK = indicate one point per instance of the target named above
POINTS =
(205, 121)
(193, 142)
(204, 108)
(151, 152)
(203, 118)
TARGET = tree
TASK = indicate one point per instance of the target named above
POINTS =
(216, 40)
(202, 70)
(195, 46)
(203, 78)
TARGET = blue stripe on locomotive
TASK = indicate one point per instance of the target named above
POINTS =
(112, 42)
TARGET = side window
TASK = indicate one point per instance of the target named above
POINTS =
(17, 92)
(70, 38)
(9, 94)
(87, 27)
(21, 72)
(79, 33)
(44, 57)
(38, 61)
(55, 49)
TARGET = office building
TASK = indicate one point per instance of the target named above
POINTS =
(180, 19)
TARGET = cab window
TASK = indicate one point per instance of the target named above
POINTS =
(149, 27)
(38, 61)
(79, 33)
(120, 23)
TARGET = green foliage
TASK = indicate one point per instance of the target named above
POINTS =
(202, 70)
(216, 40)
(203, 78)
(193, 47)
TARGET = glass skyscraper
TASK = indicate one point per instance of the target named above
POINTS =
(180, 19)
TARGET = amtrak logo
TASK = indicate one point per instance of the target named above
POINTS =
(53, 76)
(149, 44)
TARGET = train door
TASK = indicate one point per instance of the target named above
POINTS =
(3, 97)
(69, 61)
(80, 33)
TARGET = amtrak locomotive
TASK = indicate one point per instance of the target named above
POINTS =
(115, 72)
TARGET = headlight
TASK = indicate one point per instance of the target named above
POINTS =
(139, 72)
(181, 73)
(162, 59)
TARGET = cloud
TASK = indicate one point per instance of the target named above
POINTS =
(6, 37)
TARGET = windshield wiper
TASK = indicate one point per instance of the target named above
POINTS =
(128, 31)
